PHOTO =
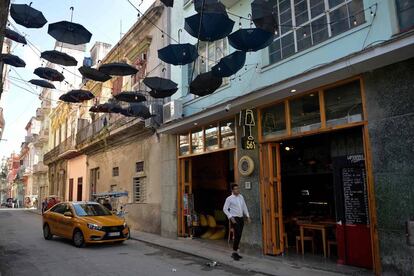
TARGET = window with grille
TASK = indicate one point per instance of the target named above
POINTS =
(405, 11)
(139, 166)
(115, 171)
(139, 189)
(304, 23)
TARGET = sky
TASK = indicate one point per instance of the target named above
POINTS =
(101, 17)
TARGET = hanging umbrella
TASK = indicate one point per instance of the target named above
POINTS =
(27, 16)
(264, 15)
(160, 87)
(118, 69)
(214, 26)
(250, 40)
(137, 110)
(178, 54)
(106, 108)
(93, 74)
(77, 96)
(229, 65)
(210, 6)
(205, 84)
(42, 83)
(59, 58)
(168, 3)
(15, 36)
(130, 97)
(69, 32)
(49, 74)
(12, 60)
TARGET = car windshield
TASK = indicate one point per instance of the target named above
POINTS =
(86, 209)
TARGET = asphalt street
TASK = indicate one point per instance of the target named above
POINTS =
(23, 251)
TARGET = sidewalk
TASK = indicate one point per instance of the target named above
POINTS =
(261, 264)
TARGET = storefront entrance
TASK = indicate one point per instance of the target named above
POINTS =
(315, 197)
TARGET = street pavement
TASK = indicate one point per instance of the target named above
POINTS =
(23, 251)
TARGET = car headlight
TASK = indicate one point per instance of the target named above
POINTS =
(94, 226)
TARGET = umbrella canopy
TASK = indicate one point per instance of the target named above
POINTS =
(106, 108)
(59, 58)
(229, 65)
(130, 97)
(77, 96)
(12, 60)
(264, 15)
(42, 83)
(69, 32)
(168, 3)
(205, 84)
(49, 74)
(118, 69)
(137, 110)
(178, 54)
(209, 26)
(210, 6)
(93, 74)
(160, 87)
(250, 40)
(15, 36)
(27, 16)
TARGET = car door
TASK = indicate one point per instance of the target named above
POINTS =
(55, 217)
(67, 222)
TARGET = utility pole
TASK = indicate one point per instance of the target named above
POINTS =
(4, 13)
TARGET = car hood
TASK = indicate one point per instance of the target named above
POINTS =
(103, 220)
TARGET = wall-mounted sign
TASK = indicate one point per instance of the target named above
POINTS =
(246, 165)
(247, 140)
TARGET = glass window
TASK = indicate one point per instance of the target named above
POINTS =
(115, 172)
(197, 141)
(227, 131)
(317, 7)
(405, 11)
(91, 209)
(319, 30)
(343, 104)
(339, 20)
(184, 144)
(273, 120)
(288, 45)
(60, 208)
(301, 12)
(303, 37)
(212, 137)
(304, 113)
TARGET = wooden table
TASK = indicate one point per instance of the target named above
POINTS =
(315, 226)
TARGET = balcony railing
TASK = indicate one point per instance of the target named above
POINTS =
(40, 168)
(60, 151)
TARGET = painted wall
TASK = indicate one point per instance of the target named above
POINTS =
(76, 169)
(390, 105)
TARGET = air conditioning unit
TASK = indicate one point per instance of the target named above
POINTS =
(172, 111)
(156, 121)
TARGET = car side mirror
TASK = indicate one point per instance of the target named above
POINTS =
(68, 214)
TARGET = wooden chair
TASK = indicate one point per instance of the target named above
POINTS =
(231, 233)
(330, 243)
(305, 238)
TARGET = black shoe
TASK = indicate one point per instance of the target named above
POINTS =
(239, 256)
(235, 256)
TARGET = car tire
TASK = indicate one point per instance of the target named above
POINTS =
(46, 232)
(78, 238)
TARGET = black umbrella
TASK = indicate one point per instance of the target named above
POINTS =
(118, 69)
(93, 74)
(210, 6)
(250, 40)
(42, 83)
(205, 84)
(168, 3)
(130, 97)
(12, 60)
(27, 16)
(77, 96)
(69, 32)
(49, 74)
(264, 15)
(160, 87)
(15, 36)
(59, 58)
(229, 65)
(137, 110)
(214, 26)
(178, 54)
(106, 108)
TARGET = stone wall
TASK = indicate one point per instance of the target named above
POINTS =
(390, 107)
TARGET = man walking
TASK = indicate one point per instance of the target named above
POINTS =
(235, 209)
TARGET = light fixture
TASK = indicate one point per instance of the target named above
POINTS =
(292, 90)
(195, 123)
(311, 95)
(287, 148)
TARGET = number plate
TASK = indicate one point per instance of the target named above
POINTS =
(114, 234)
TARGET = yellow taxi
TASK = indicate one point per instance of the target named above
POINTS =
(84, 222)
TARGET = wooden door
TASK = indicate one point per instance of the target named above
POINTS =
(70, 189)
(80, 186)
(185, 179)
(271, 199)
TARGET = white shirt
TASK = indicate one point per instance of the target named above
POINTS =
(235, 206)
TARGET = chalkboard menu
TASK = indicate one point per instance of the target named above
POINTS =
(350, 189)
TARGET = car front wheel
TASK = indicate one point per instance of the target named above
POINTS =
(78, 239)
(46, 232)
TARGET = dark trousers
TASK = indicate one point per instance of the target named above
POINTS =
(238, 229)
